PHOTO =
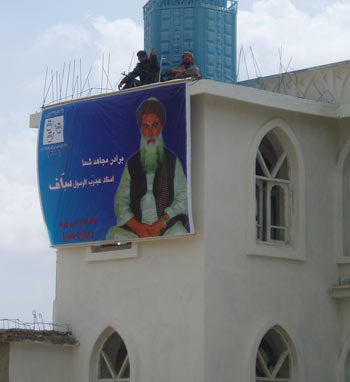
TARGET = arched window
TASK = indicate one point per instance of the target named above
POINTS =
(113, 362)
(273, 191)
(273, 361)
(346, 206)
(344, 361)
(347, 369)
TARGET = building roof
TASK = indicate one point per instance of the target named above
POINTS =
(41, 336)
(326, 83)
(275, 99)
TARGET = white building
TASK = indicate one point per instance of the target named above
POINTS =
(261, 292)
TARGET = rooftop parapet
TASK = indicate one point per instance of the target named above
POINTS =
(230, 6)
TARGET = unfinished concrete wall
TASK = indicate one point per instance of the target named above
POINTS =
(4, 362)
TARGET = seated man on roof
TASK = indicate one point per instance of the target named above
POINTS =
(186, 69)
(147, 69)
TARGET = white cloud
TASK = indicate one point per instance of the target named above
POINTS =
(27, 273)
(99, 56)
(67, 36)
(21, 225)
(17, 157)
(62, 52)
(276, 29)
(117, 41)
(275, 9)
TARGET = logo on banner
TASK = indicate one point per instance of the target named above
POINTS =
(53, 130)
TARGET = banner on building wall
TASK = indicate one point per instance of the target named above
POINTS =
(116, 168)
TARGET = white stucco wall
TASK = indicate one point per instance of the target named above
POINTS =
(38, 362)
(153, 301)
(196, 308)
(246, 295)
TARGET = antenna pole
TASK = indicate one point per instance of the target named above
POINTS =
(103, 59)
(44, 94)
(68, 79)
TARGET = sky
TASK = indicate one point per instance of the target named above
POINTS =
(42, 40)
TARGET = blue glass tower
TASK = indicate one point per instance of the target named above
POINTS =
(206, 27)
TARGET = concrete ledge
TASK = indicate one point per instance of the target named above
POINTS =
(340, 292)
(42, 336)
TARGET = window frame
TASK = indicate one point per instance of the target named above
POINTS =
(345, 353)
(283, 357)
(293, 341)
(99, 353)
(344, 157)
(267, 182)
(116, 375)
(294, 247)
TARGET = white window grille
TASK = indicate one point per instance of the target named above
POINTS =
(346, 206)
(273, 191)
(273, 361)
(113, 364)
(347, 369)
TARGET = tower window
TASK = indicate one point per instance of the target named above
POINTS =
(272, 190)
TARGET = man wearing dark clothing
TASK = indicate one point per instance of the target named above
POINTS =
(151, 199)
(147, 69)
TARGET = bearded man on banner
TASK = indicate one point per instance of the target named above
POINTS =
(151, 199)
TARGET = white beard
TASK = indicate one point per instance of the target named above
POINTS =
(151, 153)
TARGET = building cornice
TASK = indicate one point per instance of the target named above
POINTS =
(269, 99)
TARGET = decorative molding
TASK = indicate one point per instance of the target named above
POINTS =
(340, 292)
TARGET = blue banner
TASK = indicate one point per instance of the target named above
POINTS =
(115, 168)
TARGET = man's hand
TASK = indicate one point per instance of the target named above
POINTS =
(180, 73)
(121, 84)
(147, 230)
(157, 227)
(141, 229)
